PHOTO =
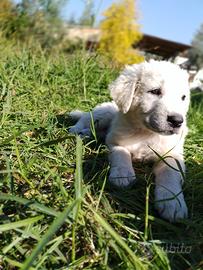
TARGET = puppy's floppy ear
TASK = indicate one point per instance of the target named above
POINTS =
(123, 88)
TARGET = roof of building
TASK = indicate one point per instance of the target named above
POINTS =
(159, 46)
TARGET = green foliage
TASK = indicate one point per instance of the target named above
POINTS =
(196, 53)
(119, 31)
(56, 212)
(34, 21)
(6, 7)
(6, 14)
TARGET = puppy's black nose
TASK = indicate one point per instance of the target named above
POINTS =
(175, 120)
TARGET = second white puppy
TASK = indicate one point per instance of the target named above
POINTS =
(147, 120)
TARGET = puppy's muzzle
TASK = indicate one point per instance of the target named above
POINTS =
(175, 120)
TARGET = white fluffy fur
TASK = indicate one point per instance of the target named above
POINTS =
(146, 97)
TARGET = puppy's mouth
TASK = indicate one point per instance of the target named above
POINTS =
(164, 128)
(168, 132)
(165, 131)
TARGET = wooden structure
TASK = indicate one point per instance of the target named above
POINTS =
(161, 47)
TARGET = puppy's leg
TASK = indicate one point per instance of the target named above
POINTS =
(82, 127)
(122, 174)
(101, 117)
(169, 198)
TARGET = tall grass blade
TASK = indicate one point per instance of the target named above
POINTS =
(17, 224)
(78, 172)
(78, 190)
(146, 213)
(57, 223)
(21, 165)
(92, 127)
(136, 262)
(29, 203)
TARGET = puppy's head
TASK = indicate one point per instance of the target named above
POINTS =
(157, 92)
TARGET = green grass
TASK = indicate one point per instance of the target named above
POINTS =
(56, 210)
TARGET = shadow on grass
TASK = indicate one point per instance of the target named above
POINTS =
(64, 120)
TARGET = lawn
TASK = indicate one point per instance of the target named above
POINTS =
(57, 210)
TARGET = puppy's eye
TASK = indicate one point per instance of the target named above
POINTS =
(183, 97)
(156, 91)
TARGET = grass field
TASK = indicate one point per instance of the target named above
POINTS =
(56, 212)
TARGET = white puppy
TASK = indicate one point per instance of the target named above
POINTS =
(146, 120)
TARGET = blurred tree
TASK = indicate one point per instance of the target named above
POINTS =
(6, 7)
(6, 12)
(71, 20)
(119, 31)
(87, 18)
(196, 53)
(50, 9)
(35, 21)
(11, 21)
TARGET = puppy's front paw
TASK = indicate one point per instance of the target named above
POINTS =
(170, 207)
(122, 177)
(83, 132)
